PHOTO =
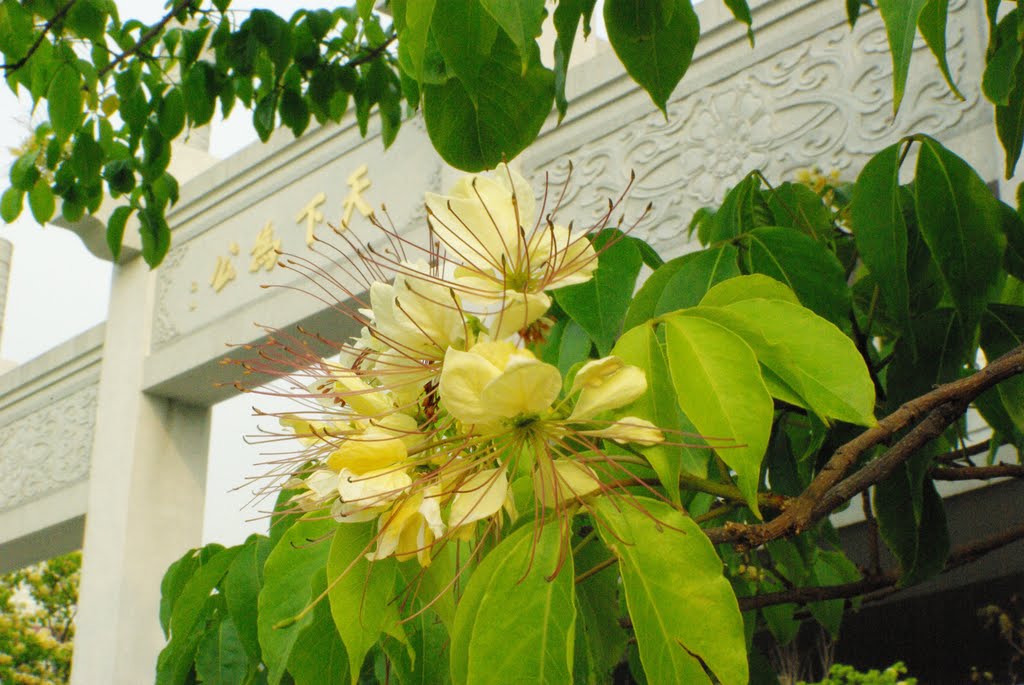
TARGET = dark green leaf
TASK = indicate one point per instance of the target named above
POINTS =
(573, 346)
(1010, 120)
(741, 11)
(932, 23)
(521, 20)
(10, 204)
(120, 176)
(567, 19)
(318, 657)
(1004, 57)
(655, 40)
(813, 272)
(24, 172)
(86, 157)
(242, 589)
(937, 355)
(880, 230)
(473, 133)
(294, 111)
(510, 594)
(155, 234)
(1002, 329)
(41, 200)
(642, 306)
(413, 36)
(466, 35)
(186, 628)
(220, 659)
(1013, 227)
(960, 221)
(115, 236)
(692, 281)
(200, 93)
(600, 639)
(288, 589)
(852, 11)
(912, 521)
(742, 210)
(170, 113)
(900, 17)
(88, 18)
(797, 206)
(64, 100)
(683, 610)
(600, 304)
(263, 116)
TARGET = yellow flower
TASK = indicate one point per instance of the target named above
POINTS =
(489, 226)
(481, 495)
(556, 481)
(409, 529)
(415, 314)
(373, 450)
(496, 382)
(364, 495)
(629, 429)
(605, 384)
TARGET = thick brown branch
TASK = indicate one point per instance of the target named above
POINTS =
(804, 595)
(977, 472)
(932, 413)
(14, 66)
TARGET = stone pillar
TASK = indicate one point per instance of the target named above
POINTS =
(146, 492)
(6, 252)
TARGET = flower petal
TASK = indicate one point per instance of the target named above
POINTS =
(480, 496)
(606, 384)
(464, 376)
(527, 386)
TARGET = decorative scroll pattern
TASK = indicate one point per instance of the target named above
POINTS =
(47, 449)
(826, 101)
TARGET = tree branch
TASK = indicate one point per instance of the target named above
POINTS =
(14, 66)
(805, 595)
(150, 33)
(977, 472)
(932, 412)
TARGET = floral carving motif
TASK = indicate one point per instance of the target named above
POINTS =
(825, 101)
(47, 449)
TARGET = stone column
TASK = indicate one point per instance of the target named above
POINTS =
(146, 492)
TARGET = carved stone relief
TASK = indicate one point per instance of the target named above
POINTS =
(47, 449)
(824, 101)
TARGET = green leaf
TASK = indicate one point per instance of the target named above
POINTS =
(1010, 120)
(832, 568)
(719, 387)
(810, 355)
(41, 200)
(742, 210)
(900, 17)
(319, 657)
(186, 626)
(263, 116)
(24, 172)
(600, 304)
(683, 610)
(960, 221)
(177, 576)
(813, 272)
(294, 111)
(641, 347)
(1002, 329)
(64, 100)
(413, 38)
(642, 306)
(200, 93)
(361, 593)
(86, 157)
(741, 12)
(573, 347)
(567, 20)
(10, 204)
(654, 40)
(120, 176)
(242, 589)
(797, 206)
(600, 638)
(476, 131)
(288, 589)
(750, 287)
(466, 36)
(521, 20)
(513, 624)
(932, 24)
(115, 229)
(170, 114)
(697, 276)
(221, 659)
(88, 18)
(365, 8)
(937, 355)
(1004, 57)
(912, 521)
(880, 229)
(155, 234)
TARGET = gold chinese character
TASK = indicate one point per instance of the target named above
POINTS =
(233, 248)
(311, 215)
(358, 182)
(223, 274)
(264, 251)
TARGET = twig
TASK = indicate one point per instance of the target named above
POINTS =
(932, 413)
(14, 66)
(872, 523)
(977, 472)
(150, 33)
(884, 581)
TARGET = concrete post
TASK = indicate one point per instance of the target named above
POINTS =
(146, 492)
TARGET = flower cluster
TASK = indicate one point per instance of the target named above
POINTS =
(438, 410)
